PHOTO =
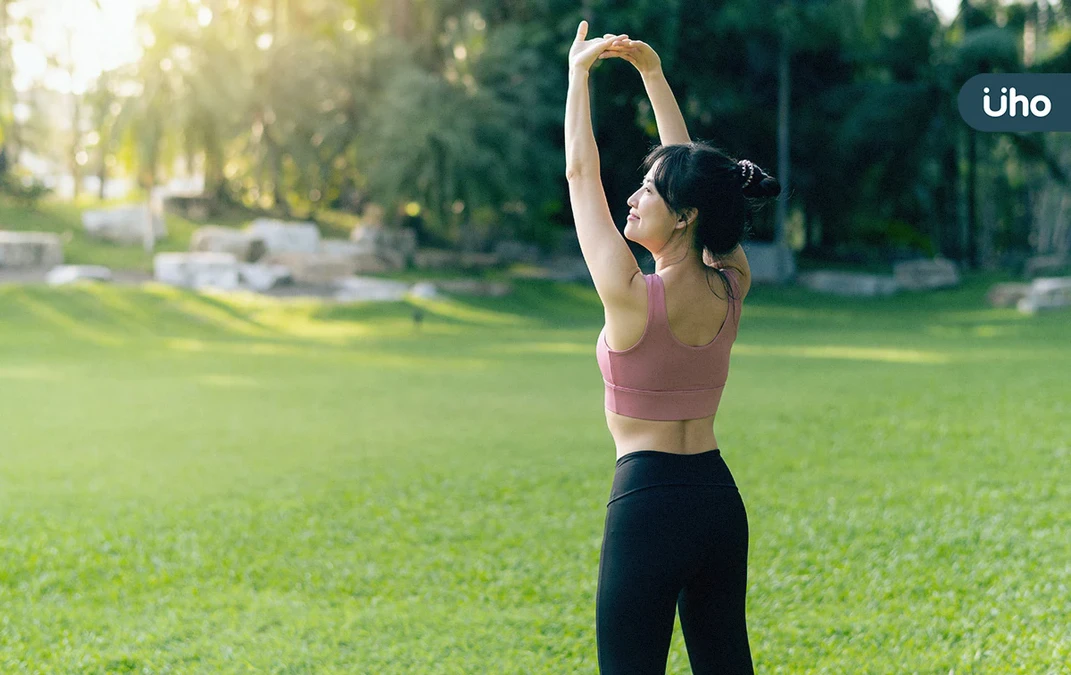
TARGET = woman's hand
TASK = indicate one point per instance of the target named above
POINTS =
(583, 53)
(636, 52)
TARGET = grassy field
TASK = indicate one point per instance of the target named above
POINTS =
(198, 484)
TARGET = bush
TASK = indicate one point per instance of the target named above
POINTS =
(24, 187)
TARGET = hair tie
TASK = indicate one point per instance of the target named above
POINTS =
(747, 171)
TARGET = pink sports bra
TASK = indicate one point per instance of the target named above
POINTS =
(660, 377)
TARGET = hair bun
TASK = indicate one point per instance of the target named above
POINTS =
(755, 182)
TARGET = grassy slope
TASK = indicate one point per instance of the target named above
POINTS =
(205, 485)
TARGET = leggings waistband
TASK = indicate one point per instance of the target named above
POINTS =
(649, 468)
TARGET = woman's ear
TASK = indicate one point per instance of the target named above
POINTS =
(688, 216)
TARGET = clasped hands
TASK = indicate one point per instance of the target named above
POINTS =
(584, 53)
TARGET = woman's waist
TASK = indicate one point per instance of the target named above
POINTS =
(643, 469)
(676, 436)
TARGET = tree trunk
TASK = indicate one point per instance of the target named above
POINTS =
(76, 121)
(5, 79)
(102, 168)
(784, 83)
(971, 242)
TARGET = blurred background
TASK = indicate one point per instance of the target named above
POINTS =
(446, 117)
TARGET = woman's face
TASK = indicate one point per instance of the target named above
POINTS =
(649, 219)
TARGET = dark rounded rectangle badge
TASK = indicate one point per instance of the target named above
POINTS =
(1017, 102)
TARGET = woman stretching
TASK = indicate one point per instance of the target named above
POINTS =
(676, 534)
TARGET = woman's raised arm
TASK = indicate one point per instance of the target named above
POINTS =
(581, 153)
(671, 128)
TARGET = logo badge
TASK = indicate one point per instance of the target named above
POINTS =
(1017, 102)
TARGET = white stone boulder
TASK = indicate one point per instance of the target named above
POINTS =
(1046, 293)
(473, 259)
(926, 274)
(261, 277)
(312, 268)
(246, 246)
(395, 246)
(344, 247)
(1050, 266)
(30, 249)
(495, 289)
(356, 288)
(282, 236)
(67, 274)
(436, 259)
(364, 258)
(125, 225)
(769, 262)
(511, 250)
(424, 289)
(197, 270)
(1007, 295)
(569, 269)
(849, 283)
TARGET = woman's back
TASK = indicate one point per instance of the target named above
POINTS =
(664, 358)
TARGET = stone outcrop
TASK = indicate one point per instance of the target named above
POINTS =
(30, 249)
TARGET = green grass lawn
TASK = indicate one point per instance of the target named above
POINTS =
(194, 484)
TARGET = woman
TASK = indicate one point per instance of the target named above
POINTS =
(676, 532)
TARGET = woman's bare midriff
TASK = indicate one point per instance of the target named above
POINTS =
(625, 326)
(683, 437)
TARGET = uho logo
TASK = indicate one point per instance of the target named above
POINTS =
(1029, 106)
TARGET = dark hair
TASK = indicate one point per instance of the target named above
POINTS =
(700, 176)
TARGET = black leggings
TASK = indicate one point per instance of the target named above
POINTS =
(676, 535)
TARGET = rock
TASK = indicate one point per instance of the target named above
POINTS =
(312, 268)
(395, 246)
(926, 274)
(260, 277)
(471, 259)
(848, 283)
(436, 259)
(281, 236)
(191, 206)
(475, 287)
(1046, 265)
(769, 263)
(569, 269)
(363, 257)
(424, 289)
(30, 249)
(1006, 295)
(344, 247)
(1046, 293)
(559, 268)
(125, 225)
(355, 288)
(197, 270)
(512, 251)
(66, 274)
(246, 246)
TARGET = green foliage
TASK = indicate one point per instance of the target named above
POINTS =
(206, 484)
(23, 187)
(879, 234)
(457, 104)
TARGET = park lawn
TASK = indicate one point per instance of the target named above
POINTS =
(227, 484)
